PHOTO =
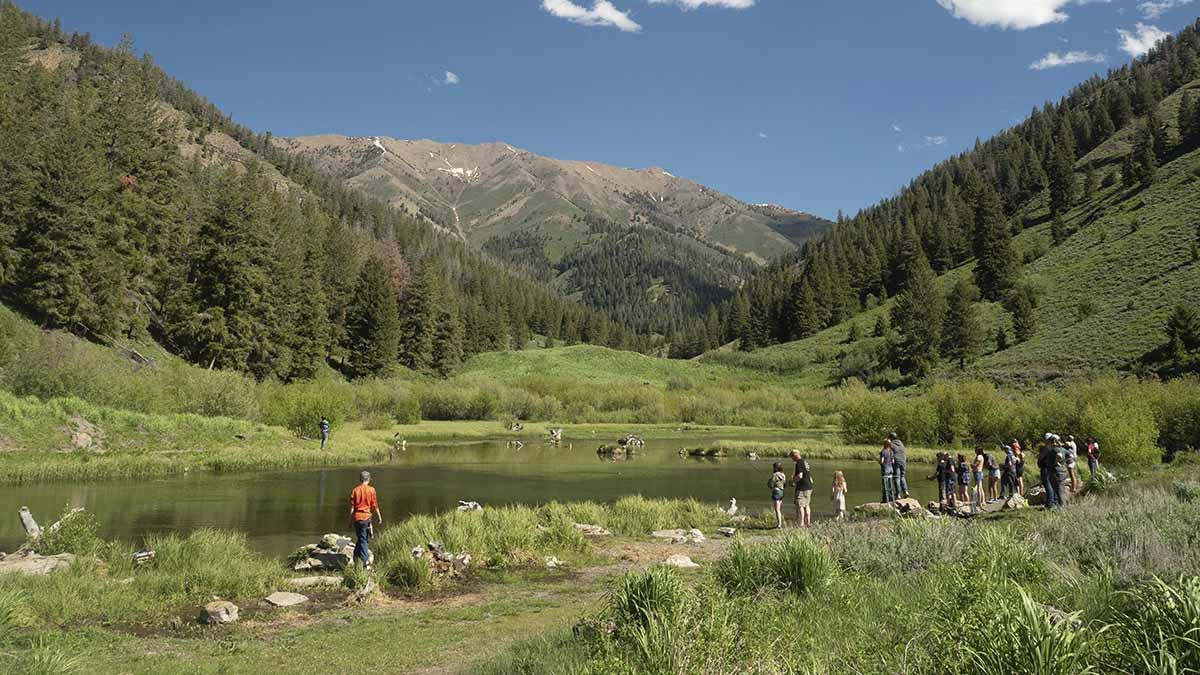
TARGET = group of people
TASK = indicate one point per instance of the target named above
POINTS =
(984, 478)
(989, 478)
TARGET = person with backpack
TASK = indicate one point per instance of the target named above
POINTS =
(802, 477)
(1060, 472)
(901, 459)
(1008, 474)
(777, 484)
(1093, 457)
(887, 469)
(964, 479)
(1046, 463)
(1072, 458)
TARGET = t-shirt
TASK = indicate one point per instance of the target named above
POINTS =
(887, 459)
(325, 426)
(804, 482)
(778, 481)
(363, 500)
(1093, 450)
(898, 452)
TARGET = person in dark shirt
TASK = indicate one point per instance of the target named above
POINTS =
(964, 479)
(939, 475)
(1008, 474)
(887, 468)
(802, 478)
(901, 468)
(324, 432)
(1045, 463)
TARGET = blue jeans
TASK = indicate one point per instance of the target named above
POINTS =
(901, 480)
(1008, 485)
(888, 488)
(1093, 466)
(1050, 485)
(362, 531)
(324, 439)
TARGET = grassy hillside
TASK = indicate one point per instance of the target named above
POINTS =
(1104, 292)
(599, 366)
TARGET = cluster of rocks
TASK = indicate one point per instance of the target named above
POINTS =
(224, 611)
(631, 441)
(616, 450)
(680, 536)
(334, 552)
(443, 562)
(902, 507)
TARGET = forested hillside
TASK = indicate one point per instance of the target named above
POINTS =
(132, 208)
(1064, 245)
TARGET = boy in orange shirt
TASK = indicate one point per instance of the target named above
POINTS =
(362, 501)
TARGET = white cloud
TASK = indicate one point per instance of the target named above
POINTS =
(1152, 9)
(1056, 60)
(696, 4)
(1015, 14)
(451, 78)
(896, 128)
(1139, 40)
(602, 13)
(762, 134)
(935, 140)
(901, 147)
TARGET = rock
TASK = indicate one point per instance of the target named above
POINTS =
(1013, 503)
(469, 506)
(35, 565)
(682, 562)
(334, 542)
(438, 552)
(460, 563)
(1035, 497)
(553, 563)
(81, 440)
(592, 530)
(310, 582)
(219, 611)
(933, 507)
(726, 531)
(680, 536)
(907, 504)
(875, 509)
(143, 557)
(417, 552)
(366, 591)
(285, 599)
(752, 456)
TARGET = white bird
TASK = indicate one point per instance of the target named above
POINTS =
(732, 509)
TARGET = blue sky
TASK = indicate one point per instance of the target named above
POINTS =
(817, 105)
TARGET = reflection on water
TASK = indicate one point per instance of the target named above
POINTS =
(279, 511)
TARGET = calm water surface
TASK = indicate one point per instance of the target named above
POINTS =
(279, 511)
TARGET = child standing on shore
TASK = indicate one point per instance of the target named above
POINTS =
(838, 494)
(777, 484)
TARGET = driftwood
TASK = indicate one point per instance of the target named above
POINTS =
(32, 529)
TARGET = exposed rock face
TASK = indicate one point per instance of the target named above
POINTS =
(33, 564)
(219, 611)
(284, 599)
(681, 561)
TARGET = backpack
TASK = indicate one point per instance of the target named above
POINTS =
(989, 461)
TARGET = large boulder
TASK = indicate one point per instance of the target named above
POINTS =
(219, 611)
(333, 553)
(33, 564)
(285, 599)
(875, 509)
(1013, 503)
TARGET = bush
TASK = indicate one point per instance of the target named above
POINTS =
(444, 404)
(1159, 631)
(797, 563)
(77, 534)
(300, 407)
(1187, 491)
(868, 416)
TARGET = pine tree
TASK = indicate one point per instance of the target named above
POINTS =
(1143, 160)
(418, 322)
(1185, 116)
(997, 265)
(918, 317)
(448, 343)
(963, 334)
(1091, 183)
(1021, 303)
(1058, 230)
(1001, 339)
(881, 326)
(1183, 331)
(1062, 171)
(373, 323)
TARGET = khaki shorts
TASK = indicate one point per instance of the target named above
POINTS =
(803, 498)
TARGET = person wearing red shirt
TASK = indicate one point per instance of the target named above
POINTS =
(362, 501)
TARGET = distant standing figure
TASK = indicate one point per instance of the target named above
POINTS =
(363, 501)
(804, 487)
(1093, 456)
(887, 472)
(977, 471)
(901, 458)
(1019, 463)
(324, 432)
(964, 479)
(1045, 462)
(838, 494)
(777, 485)
(1072, 460)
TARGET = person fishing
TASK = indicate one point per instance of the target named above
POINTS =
(324, 432)
(900, 457)
(364, 500)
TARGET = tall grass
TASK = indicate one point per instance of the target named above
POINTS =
(1159, 631)
(796, 563)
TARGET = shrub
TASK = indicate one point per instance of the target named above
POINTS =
(646, 600)
(77, 534)
(1160, 628)
(1003, 635)
(1187, 491)
(797, 563)
(356, 576)
(300, 407)
(13, 615)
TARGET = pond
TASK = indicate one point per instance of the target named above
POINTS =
(281, 510)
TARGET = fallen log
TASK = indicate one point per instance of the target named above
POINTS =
(32, 529)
